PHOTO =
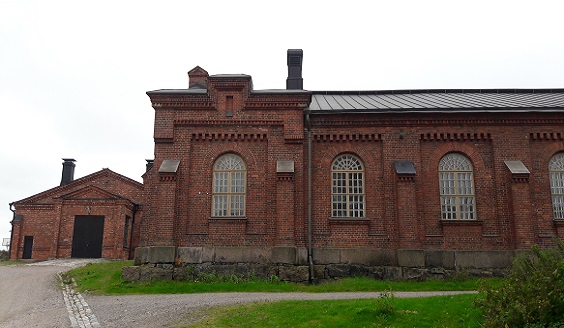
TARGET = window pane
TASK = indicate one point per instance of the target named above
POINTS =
(347, 180)
(556, 168)
(456, 187)
(229, 181)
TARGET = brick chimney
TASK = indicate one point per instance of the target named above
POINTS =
(197, 78)
(294, 61)
(68, 171)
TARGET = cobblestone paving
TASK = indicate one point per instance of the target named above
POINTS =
(80, 314)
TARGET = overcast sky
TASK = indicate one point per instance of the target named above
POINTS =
(73, 74)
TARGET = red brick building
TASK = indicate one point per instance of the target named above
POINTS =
(407, 178)
(90, 217)
(328, 183)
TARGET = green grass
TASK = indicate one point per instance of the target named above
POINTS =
(105, 278)
(443, 311)
(15, 262)
(386, 311)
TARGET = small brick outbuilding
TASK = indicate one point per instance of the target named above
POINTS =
(90, 217)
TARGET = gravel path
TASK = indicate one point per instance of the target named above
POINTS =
(171, 310)
(31, 297)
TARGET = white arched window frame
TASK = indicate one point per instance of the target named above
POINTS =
(347, 192)
(229, 186)
(456, 184)
(556, 169)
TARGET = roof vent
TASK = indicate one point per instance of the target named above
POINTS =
(294, 61)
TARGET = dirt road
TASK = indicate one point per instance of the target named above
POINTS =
(31, 297)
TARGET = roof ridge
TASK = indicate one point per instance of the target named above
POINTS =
(83, 179)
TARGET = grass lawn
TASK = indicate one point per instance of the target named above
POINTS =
(105, 278)
(386, 311)
(443, 311)
(15, 262)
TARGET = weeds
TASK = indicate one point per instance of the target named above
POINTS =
(532, 294)
(385, 304)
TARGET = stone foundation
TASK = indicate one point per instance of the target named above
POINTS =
(290, 263)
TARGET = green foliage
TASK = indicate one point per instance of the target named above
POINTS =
(4, 255)
(532, 295)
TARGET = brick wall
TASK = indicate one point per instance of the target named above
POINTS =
(265, 127)
(49, 216)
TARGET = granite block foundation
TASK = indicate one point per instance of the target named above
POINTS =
(189, 263)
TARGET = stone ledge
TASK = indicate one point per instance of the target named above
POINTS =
(296, 273)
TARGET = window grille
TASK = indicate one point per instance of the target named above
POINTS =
(456, 179)
(347, 194)
(556, 169)
(229, 187)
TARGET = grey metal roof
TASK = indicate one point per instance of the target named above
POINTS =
(467, 100)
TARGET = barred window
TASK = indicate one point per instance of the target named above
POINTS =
(556, 169)
(456, 179)
(347, 193)
(229, 187)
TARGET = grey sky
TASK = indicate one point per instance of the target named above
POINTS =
(73, 74)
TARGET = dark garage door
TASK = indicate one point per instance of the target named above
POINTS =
(87, 236)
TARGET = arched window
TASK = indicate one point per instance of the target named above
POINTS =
(347, 193)
(556, 169)
(229, 186)
(456, 179)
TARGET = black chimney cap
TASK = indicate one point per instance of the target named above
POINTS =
(294, 60)
(68, 171)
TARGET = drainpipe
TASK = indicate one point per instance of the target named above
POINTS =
(11, 231)
(309, 188)
(132, 230)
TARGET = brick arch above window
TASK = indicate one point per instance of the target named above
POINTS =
(468, 151)
(213, 152)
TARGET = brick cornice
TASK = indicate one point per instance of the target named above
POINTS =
(546, 136)
(167, 178)
(261, 104)
(406, 178)
(194, 102)
(35, 206)
(229, 136)
(245, 123)
(346, 137)
(520, 178)
(463, 136)
(285, 176)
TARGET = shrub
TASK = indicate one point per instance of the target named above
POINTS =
(532, 295)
